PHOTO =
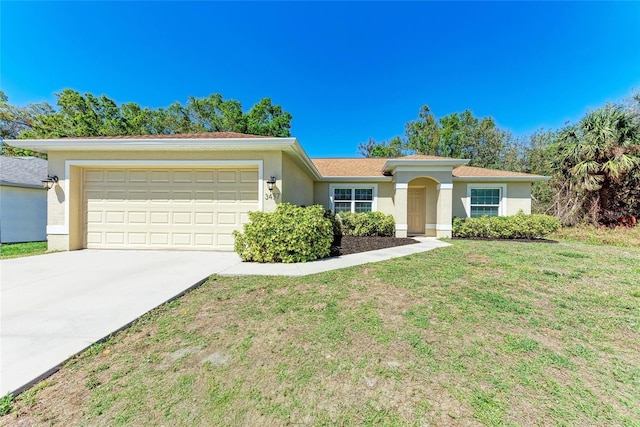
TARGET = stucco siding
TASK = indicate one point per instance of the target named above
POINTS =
(386, 197)
(321, 193)
(459, 199)
(441, 177)
(66, 197)
(297, 186)
(384, 201)
(518, 197)
(23, 214)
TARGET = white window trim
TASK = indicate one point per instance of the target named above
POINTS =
(502, 209)
(373, 187)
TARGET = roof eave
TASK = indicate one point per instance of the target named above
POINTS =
(148, 144)
(392, 164)
(20, 185)
(303, 158)
(380, 178)
(502, 178)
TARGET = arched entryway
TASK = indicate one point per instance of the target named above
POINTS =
(422, 198)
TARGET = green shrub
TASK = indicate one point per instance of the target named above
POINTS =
(336, 225)
(290, 234)
(367, 224)
(518, 226)
(6, 404)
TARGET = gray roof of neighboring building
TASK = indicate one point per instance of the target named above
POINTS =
(22, 171)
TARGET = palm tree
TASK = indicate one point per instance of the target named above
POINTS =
(597, 157)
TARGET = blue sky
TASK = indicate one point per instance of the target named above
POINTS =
(346, 71)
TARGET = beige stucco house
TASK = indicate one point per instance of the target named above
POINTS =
(191, 191)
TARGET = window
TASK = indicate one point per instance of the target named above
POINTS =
(485, 201)
(352, 199)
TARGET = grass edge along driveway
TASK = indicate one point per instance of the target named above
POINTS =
(480, 333)
(16, 250)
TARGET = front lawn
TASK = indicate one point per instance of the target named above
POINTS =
(15, 250)
(479, 333)
(619, 236)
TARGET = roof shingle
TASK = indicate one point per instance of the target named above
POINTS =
(23, 171)
(475, 172)
(361, 167)
(372, 167)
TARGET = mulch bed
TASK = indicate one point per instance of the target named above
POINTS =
(353, 244)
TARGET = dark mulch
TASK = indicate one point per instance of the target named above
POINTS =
(354, 245)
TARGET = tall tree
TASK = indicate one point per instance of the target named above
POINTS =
(88, 115)
(423, 135)
(389, 148)
(214, 114)
(15, 120)
(456, 135)
(596, 161)
(265, 118)
(79, 115)
(538, 158)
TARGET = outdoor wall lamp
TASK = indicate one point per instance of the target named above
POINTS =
(49, 182)
(271, 182)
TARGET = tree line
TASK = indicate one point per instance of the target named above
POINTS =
(594, 164)
(78, 115)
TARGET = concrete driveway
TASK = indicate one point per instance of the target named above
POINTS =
(56, 305)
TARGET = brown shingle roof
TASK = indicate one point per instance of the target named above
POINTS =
(372, 167)
(350, 167)
(364, 167)
(471, 171)
(202, 135)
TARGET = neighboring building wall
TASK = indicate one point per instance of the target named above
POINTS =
(518, 197)
(61, 237)
(23, 214)
(297, 186)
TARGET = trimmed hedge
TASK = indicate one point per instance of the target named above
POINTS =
(518, 226)
(367, 224)
(290, 234)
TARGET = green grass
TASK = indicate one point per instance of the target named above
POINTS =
(6, 404)
(15, 250)
(490, 333)
(620, 236)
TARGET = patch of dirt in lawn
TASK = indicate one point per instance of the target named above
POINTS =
(357, 244)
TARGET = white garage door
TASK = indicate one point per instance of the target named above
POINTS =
(179, 208)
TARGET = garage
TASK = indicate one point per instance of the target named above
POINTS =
(166, 208)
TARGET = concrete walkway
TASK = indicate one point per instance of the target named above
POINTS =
(327, 264)
(56, 305)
